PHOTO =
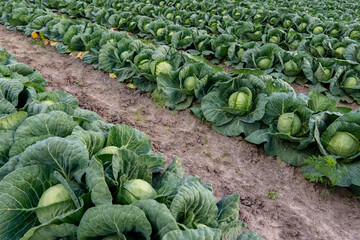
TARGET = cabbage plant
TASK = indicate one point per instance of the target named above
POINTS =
(338, 136)
(353, 31)
(288, 135)
(295, 62)
(352, 53)
(338, 47)
(220, 45)
(181, 86)
(274, 35)
(265, 57)
(316, 46)
(236, 51)
(236, 106)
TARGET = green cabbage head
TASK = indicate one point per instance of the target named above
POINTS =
(163, 67)
(295, 44)
(321, 50)
(318, 30)
(334, 31)
(351, 82)
(274, 39)
(291, 68)
(289, 123)
(264, 63)
(190, 83)
(240, 53)
(302, 26)
(241, 99)
(355, 35)
(124, 54)
(55, 201)
(144, 65)
(134, 190)
(160, 32)
(169, 16)
(287, 23)
(343, 144)
(358, 56)
(322, 74)
(340, 50)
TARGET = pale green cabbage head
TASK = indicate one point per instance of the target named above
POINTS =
(54, 201)
(318, 30)
(160, 32)
(264, 63)
(351, 82)
(340, 50)
(274, 39)
(289, 123)
(355, 35)
(163, 67)
(144, 65)
(190, 83)
(321, 50)
(134, 190)
(287, 23)
(334, 31)
(302, 26)
(343, 144)
(240, 100)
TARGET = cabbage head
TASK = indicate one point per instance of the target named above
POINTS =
(302, 26)
(274, 39)
(287, 23)
(321, 50)
(323, 74)
(340, 50)
(317, 30)
(55, 201)
(190, 83)
(241, 100)
(144, 65)
(163, 67)
(134, 190)
(294, 44)
(264, 63)
(291, 68)
(343, 144)
(160, 32)
(351, 82)
(334, 32)
(355, 35)
(289, 123)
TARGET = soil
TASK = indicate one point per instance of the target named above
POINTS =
(276, 200)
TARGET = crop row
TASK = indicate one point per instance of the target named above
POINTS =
(66, 174)
(320, 60)
(266, 110)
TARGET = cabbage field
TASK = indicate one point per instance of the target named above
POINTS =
(236, 65)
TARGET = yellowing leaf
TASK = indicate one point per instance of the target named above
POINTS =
(35, 35)
(52, 43)
(131, 85)
(42, 35)
(112, 75)
(81, 54)
(46, 41)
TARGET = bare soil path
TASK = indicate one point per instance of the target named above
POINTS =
(300, 210)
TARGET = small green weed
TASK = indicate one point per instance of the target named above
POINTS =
(272, 194)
